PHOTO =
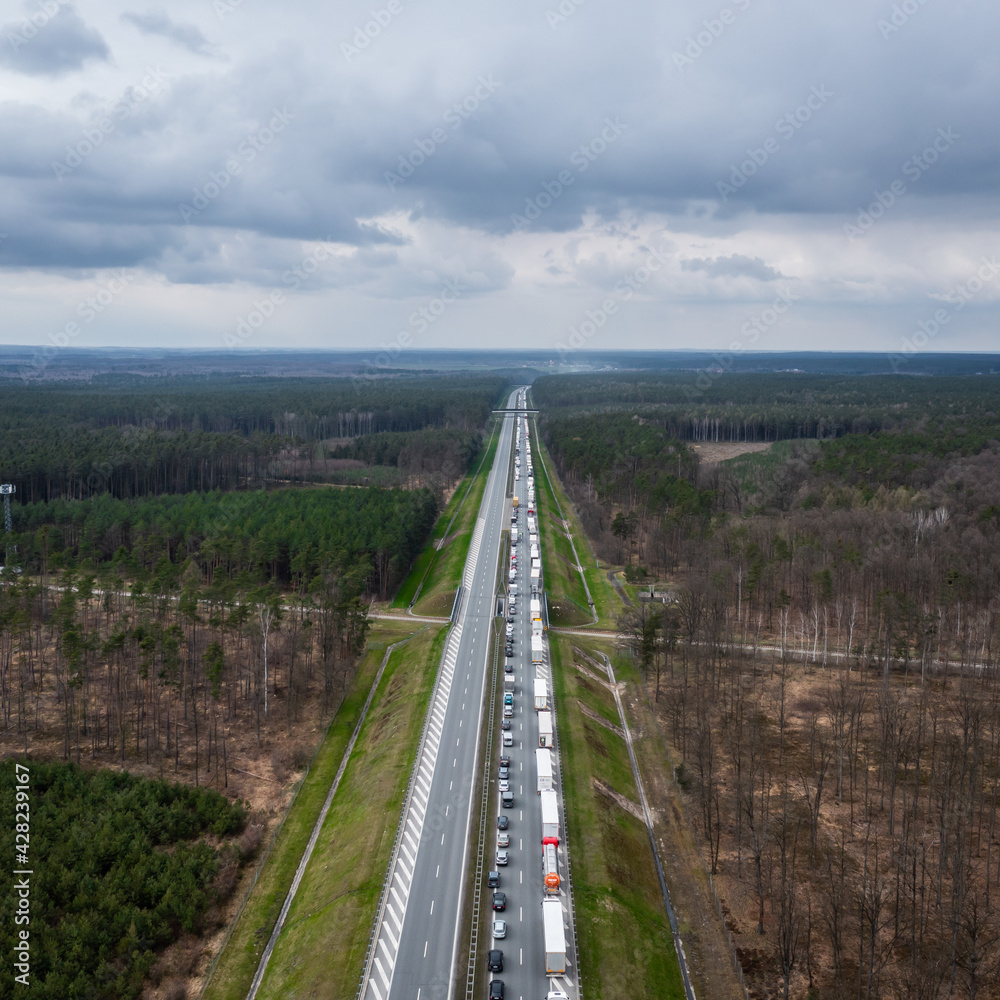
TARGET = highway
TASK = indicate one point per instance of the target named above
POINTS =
(418, 930)
(523, 948)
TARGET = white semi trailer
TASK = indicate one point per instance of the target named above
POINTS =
(555, 937)
(541, 695)
(543, 769)
(550, 814)
(545, 729)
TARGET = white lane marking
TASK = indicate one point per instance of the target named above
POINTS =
(425, 949)
(432, 906)
(442, 839)
(381, 971)
(450, 784)
(438, 872)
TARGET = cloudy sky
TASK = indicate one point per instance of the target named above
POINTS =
(762, 174)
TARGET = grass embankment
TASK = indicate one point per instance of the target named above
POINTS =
(322, 948)
(622, 929)
(702, 929)
(444, 565)
(567, 596)
(238, 962)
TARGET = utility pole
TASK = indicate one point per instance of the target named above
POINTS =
(7, 490)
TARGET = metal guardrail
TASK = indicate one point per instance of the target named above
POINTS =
(737, 968)
(403, 813)
(455, 604)
(661, 875)
(266, 854)
(320, 820)
(565, 838)
(470, 981)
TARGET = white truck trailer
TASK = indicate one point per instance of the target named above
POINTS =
(555, 937)
(537, 649)
(545, 729)
(550, 815)
(541, 695)
(543, 769)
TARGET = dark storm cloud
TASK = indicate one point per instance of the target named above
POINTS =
(158, 22)
(49, 41)
(734, 266)
(806, 112)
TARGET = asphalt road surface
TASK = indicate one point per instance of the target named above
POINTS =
(419, 927)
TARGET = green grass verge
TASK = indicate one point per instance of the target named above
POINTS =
(414, 578)
(607, 604)
(567, 597)
(238, 962)
(418, 572)
(623, 933)
(444, 572)
(322, 947)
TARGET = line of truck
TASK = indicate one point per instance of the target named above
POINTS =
(552, 907)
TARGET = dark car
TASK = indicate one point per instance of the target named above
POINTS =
(494, 960)
(505, 724)
(502, 822)
(496, 989)
(493, 880)
(508, 668)
(504, 760)
(499, 901)
(509, 651)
